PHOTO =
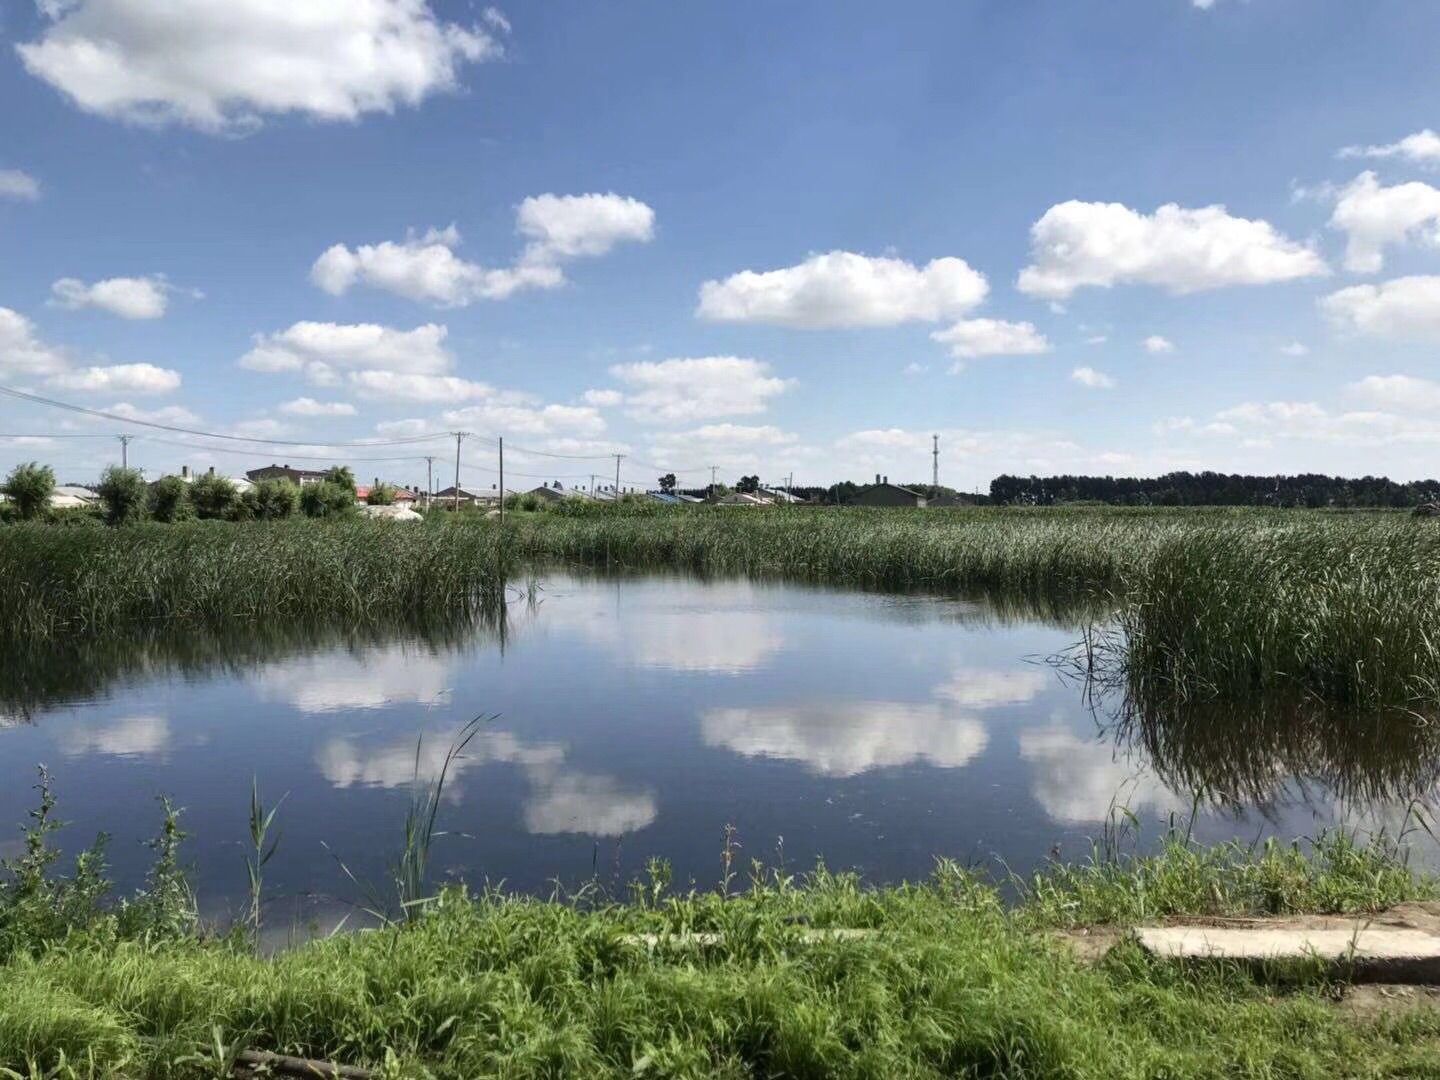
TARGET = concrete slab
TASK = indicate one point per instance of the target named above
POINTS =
(1363, 951)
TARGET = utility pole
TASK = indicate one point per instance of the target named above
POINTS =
(459, 436)
(712, 478)
(125, 450)
(592, 485)
(790, 488)
(618, 458)
(502, 479)
(935, 466)
(429, 478)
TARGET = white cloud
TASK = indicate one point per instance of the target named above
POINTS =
(574, 802)
(221, 65)
(1077, 780)
(603, 399)
(15, 184)
(1374, 217)
(496, 18)
(1421, 148)
(847, 738)
(119, 379)
(972, 688)
(1077, 244)
(128, 737)
(842, 289)
(563, 227)
(1157, 345)
(22, 352)
(992, 337)
(425, 267)
(319, 348)
(1398, 392)
(412, 386)
(306, 406)
(1295, 348)
(130, 298)
(1089, 377)
(1264, 422)
(914, 368)
(677, 391)
(734, 448)
(1097, 339)
(166, 414)
(508, 419)
(1403, 309)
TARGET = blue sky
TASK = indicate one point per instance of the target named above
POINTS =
(772, 238)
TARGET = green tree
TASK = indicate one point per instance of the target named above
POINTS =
(381, 495)
(271, 499)
(342, 476)
(214, 496)
(327, 499)
(668, 482)
(748, 485)
(123, 493)
(29, 487)
(170, 500)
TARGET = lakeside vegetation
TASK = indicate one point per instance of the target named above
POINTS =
(1186, 605)
(943, 978)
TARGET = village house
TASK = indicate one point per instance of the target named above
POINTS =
(884, 493)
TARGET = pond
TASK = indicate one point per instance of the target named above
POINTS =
(638, 716)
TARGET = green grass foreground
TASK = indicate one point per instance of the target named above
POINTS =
(950, 982)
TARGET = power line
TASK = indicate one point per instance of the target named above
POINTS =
(117, 418)
(258, 455)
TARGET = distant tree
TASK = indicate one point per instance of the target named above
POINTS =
(748, 485)
(341, 475)
(381, 495)
(327, 499)
(214, 497)
(668, 482)
(170, 500)
(271, 499)
(29, 487)
(123, 494)
(717, 491)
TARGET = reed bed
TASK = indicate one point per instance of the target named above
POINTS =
(206, 574)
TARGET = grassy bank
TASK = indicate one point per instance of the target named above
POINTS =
(946, 980)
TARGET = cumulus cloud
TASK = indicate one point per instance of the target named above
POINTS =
(418, 387)
(222, 65)
(563, 227)
(321, 349)
(841, 289)
(992, 337)
(734, 448)
(126, 737)
(1421, 148)
(603, 399)
(1089, 377)
(1402, 392)
(847, 738)
(15, 184)
(1260, 424)
(307, 406)
(425, 267)
(1403, 309)
(584, 803)
(512, 419)
(1375, 217)
(119, 379)
(1078, 244)
(166, 414)
(1158, 345)
(682, 390)
(1295, 348)
(129, 298)
(21, 350)
(1079, 780)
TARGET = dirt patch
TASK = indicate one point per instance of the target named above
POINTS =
(1370, 1003)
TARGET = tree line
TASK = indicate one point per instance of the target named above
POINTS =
(124, 496)
(1214, 489)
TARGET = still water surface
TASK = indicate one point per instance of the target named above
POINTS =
(633, 717)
